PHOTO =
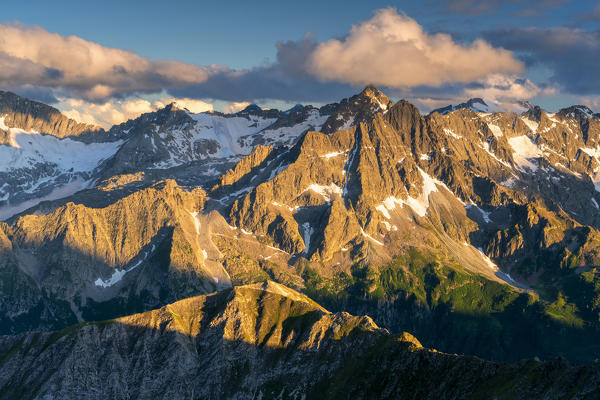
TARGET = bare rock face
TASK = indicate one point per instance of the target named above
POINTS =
(359, 108)
(353, 189)
(138, 251)
(368, 205)
(476, 104)
(34, 116)
(245, 166)
(262, 340)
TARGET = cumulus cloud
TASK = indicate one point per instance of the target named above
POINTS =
(236, 106)
(192, 105)
(33, 60)
(389, 49)
(107, 85)
(502, 89)
(593, 102)
(500, 92)
(393, 50)
(34, 56)
(114, 112)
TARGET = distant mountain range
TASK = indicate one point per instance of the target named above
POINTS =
(476, 231)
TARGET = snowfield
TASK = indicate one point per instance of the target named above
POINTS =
(28, 149)
(35, 162)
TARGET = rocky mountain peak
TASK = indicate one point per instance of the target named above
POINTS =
(163, 119)
(578, 112)
(251, 108)
(29, 115)
(525, 104)
(169, 115)
(375, 95)
(361, 107)
(297, 107)
(476, 104)
(255, 110)
(534, 113)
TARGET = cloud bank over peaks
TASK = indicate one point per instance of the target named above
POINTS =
(504, 91)
(500, 92)
(114, 112)
(102, 85)
(34, 56)
(393, 50)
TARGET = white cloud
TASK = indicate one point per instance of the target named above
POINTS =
(192, 105)
(430, 103)
(236, 106)
(591, 101)
(114, 112)
(503, 87)
(504, 91)
(137, 107)
(389, 50)
(35, 56)
(500, 92)
(105, 114)
(393, 50)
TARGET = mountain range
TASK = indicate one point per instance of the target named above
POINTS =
(272, 253)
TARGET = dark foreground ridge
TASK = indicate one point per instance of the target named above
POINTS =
(262, 341)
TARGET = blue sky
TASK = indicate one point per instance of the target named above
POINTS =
(242, 34)
(553, 40)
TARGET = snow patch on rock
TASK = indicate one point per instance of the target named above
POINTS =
(484, 214)
(523, 151)
(419, 204)
(533, 125)
(365, 234)
(450, 132)
(307, 233)
(328, 192)
(495, 129)
(32, 148)
(333, 154)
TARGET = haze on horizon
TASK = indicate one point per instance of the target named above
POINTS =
(107, 63)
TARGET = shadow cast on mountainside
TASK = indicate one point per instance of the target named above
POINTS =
(99, 197)
(181, 354)
(58, 295)
(92, 198)
(531, 257)
(224, 193)
(565, 193)
(520, 330)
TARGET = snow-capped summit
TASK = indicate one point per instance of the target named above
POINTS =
(475, 104)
